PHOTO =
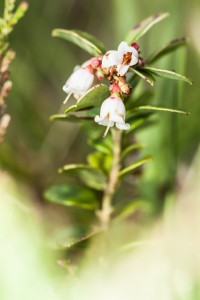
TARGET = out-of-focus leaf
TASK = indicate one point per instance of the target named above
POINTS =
(101, 145)
(160, 108)
(94, 97)
(166, 49)
(167, 74)
(139, 121)
(82, 39)
(130, 208)
(71, 195)
(131, 148)
(141, 28)
(134, 165)
(88, 175)
(100, 161)
(70, 117)
(144, 74)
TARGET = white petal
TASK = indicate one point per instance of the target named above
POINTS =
(122, 69)
(123, 126)
(134, 60)
(110, 59)
(66, 89)
(123, 47)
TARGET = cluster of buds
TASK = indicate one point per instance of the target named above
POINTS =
(113, 65)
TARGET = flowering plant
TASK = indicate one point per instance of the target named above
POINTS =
(114, 100)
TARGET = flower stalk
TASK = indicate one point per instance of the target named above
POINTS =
(105, 213)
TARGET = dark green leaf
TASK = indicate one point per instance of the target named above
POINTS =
(82, 39)
(167, 74)
(88, 175)
(134, 165)
(142, 99)
(71, 195)
(94, 97)
(70, 118)
(141, 28)
(144, 74)
(166, 49)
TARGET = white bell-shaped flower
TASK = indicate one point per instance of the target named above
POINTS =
(123, 58)
(79, 82)
(112, 112)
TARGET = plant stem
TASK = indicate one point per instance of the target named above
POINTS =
(105, 213)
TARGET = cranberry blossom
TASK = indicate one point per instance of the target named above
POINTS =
(112, 112)
(122, 58)
(80, 81)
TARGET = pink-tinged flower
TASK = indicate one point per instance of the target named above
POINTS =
(79, 82)
(123, 58)
(112, 112)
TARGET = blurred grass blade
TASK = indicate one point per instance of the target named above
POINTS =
(82, 39)
(135, 165)
(130, 208)
(147, 76)
(90, 176)
(167, 74)
(94, 97)
(160, 108)
(131, 148)
(166, 49)
(71, 195)
(141, 28)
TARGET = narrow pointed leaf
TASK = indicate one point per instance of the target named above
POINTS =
(166, 49)
(135, 165)
(94, 97)
(70, 118)
(141, 28)
(131, 148)
(144, 74)
(90, 176)
(82, 39)
(167, 74)
(130, 208)
(160, 108)
(71, 195)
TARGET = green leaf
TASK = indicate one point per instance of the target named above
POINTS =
(135, 165)
(147, 76)
(141, 28)
(90, 176)
(166, 49)
(140, 122)
(130, 208)
(160, 108)
(70, 118)
(142, 99)
(100, 161)
(94, 97)
(82, 39)
(167, 74)
(131, 148)
(71, 195)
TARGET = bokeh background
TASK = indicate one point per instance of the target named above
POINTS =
(35, 147)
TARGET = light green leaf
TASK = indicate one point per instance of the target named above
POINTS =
(131, 148)
(94, 97)
(147, 76)
(71, 195)
(100, 161)
(167, 74)
(160, 108)
(135, 165)
(90, 176)
(141, 28)
(166, 49)
(82, 39)
(70, 118)
(130, 208)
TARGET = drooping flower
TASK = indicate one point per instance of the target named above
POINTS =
(80, 81)
(123, 58)
(112, 112)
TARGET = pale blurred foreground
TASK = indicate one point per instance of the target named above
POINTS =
(163, 263)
